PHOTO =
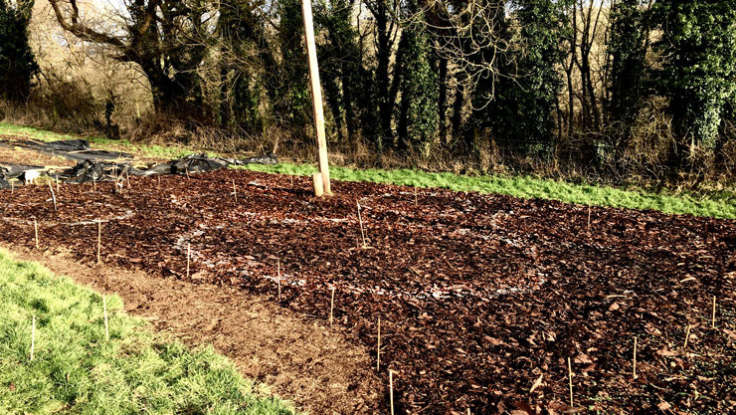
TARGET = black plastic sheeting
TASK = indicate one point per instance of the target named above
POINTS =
(78, 150)
(15, 171)
(100, 170)
(4, 184)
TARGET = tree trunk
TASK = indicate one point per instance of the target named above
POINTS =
(442, 102)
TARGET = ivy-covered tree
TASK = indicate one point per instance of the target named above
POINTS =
(627, 46)
(347, 84)
(527, 97)
(698, 51)
(292, 102)
(418, 116)
(17, 63)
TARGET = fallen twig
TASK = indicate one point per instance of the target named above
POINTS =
(537, 383)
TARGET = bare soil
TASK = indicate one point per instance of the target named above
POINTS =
(482, 298)
(299, 359)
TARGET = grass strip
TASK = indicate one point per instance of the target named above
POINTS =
(528, 188)
(75, 371)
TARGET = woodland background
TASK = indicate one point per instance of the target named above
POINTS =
(624, 91)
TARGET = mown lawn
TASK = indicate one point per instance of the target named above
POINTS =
(75, 370)
(719, 205)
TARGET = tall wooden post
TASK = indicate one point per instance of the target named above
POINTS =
(319, 116)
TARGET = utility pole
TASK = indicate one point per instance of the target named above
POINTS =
(319, 116)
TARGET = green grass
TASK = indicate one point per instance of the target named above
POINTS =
(719, 205)
(723, 206)
(76, 371)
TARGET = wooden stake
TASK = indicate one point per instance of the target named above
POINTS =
(569, 374)
(94, 183)
(319, 117)
(588, 218)
(332, 306)
(391, 389)
(12, 187)
(35, 230)
(687, 337)
(416, 198)
(318, 184)
(360, 220)
(378, 349)
(99, 241)
(278, 273)
(33, 337)
(713, 319)
(107, 327)
(53, 195)
(635, 341)
(189, 253)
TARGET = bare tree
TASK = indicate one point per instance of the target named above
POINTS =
(167, 38)
(473, 37)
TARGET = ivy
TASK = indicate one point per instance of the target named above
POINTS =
(293, 99)
(17, 63)
(698, 50)
(627, 51)
(419, 116)
(523, 114)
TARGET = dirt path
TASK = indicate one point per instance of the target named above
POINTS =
(300, 359)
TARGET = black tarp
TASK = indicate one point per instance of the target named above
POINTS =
(88, 171)
(4, 184)
(15, 171)
(100, 165)
(71, 149)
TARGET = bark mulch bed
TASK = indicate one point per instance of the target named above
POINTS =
(481, 298)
